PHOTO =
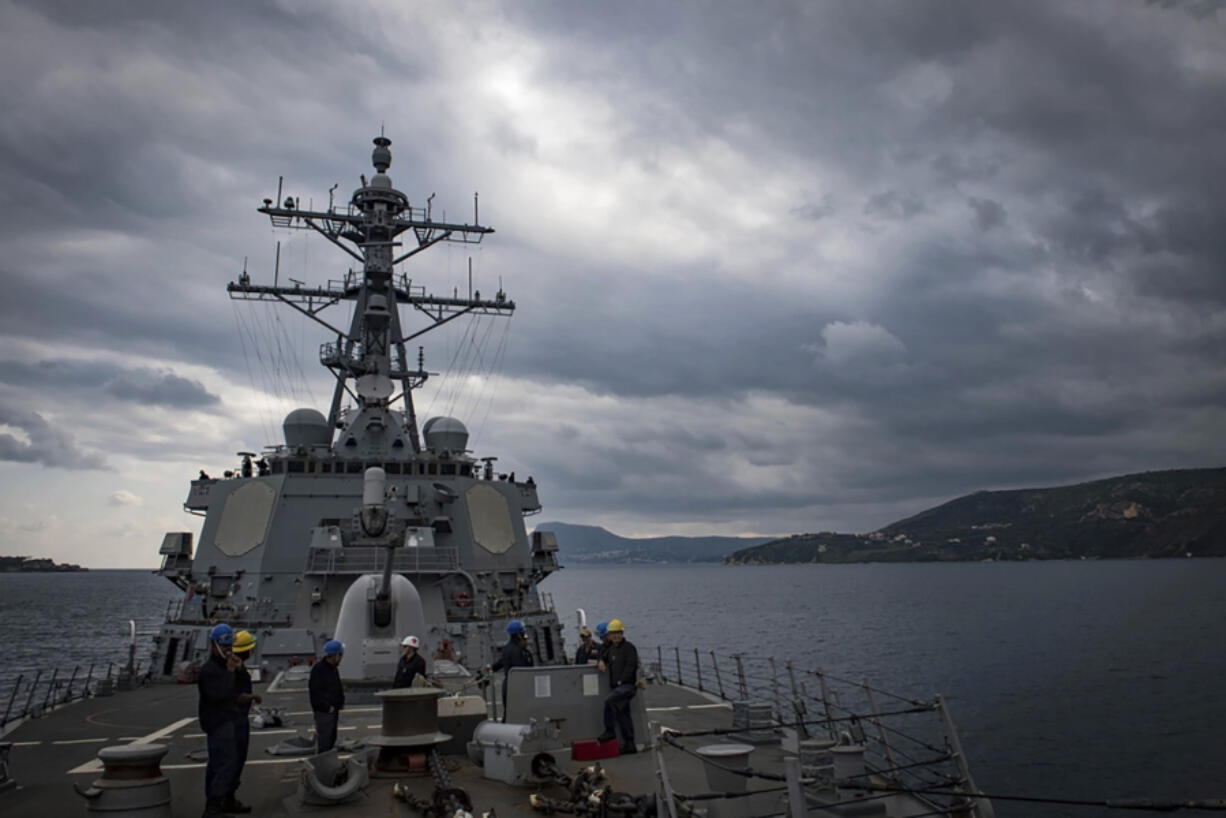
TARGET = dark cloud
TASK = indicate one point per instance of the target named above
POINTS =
(162, 389)
(988, 213)
(893, 206)
(93, 378)
(44, 442)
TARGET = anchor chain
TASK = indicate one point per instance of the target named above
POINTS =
(590, 794)
(447, 801)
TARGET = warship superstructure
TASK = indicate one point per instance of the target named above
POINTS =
(288, 533)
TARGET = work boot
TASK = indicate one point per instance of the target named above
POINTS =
(626, 749)
(605, 736)
(233, 805)
(212, 809)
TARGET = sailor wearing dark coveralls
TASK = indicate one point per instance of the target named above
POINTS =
(411, 665)
(244, 643)
(219, 714)
(621, 660)
(327, 695)
(589, 649)
(515, 653)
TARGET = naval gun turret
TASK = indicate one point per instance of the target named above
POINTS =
(378, 610)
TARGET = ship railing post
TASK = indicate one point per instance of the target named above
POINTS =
(798, 704)
(885, 741)
(50, 688)
(677, 656)
(821, 680)
(33, 687)
(698, 668)
(71, 681)
(775, 690)
(797, 807)
(740, 674)
(666, 787)
(719, 682)
(660, 659)
(89, 677)
(9, 707)
(983, 807)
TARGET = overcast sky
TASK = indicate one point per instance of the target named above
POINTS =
(779, 267)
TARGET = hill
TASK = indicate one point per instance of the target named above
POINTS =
(1153, 514)
(35, 565)
(592, 544)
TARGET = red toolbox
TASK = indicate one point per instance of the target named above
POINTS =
(592, 750)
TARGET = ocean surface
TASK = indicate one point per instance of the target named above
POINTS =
(1088, 680)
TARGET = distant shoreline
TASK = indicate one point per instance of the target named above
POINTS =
(36, 565)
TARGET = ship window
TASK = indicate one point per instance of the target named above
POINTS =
(448, 468)
(392, 468)
(278, 466)
(353, 468)
(325, 468)
(297, 467)
(398, 444)
(432, 468)
(466, 470)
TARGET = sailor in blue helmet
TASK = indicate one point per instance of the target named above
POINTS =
(219, 714)
(602, 631)
(327, 695)
(515, 653)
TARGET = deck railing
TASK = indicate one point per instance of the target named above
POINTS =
(32, 694)
(367, 560)
(909, 743)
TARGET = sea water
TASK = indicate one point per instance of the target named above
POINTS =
(1085, 679)
(1088, 680)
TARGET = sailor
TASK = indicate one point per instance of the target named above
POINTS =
(244, 643)
(589, 649)
(446, 650)
(515, 653)
(412, 664)
(327, 695)
(620, 658)
(219, 714)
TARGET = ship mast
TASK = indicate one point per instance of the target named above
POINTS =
(372, 354)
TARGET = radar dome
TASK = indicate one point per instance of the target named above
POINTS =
(306, 427)
(445, 435)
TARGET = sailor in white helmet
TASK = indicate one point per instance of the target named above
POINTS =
(411, 664)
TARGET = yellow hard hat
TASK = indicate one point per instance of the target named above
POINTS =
(243, 641)
(615, 626)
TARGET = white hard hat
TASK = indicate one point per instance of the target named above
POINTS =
(410, 642)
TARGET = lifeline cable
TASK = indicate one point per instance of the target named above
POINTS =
(1213, 804)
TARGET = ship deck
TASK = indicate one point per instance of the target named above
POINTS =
(52, 753)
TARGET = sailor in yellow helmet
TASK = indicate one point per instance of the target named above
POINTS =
(620, 658)
(244, 644)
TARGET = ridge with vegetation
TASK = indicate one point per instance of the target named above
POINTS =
(1179, 513)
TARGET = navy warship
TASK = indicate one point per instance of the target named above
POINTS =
(363, 525)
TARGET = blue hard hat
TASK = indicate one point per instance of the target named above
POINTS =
(222, 634)
(602, 629)
(515, 627)
(334, 647)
